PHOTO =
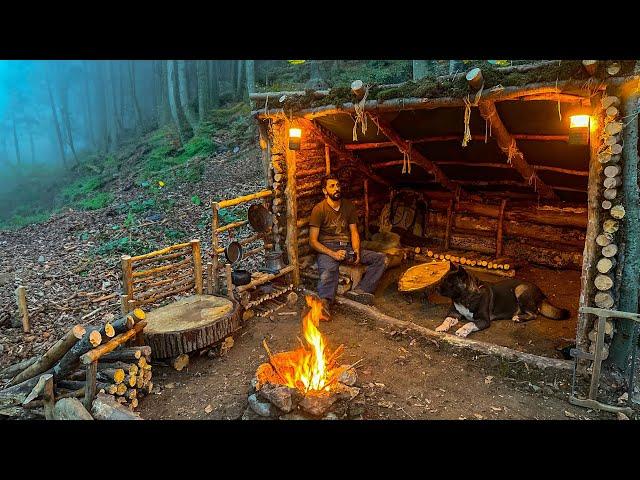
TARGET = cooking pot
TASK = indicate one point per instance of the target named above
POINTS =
(240, 277)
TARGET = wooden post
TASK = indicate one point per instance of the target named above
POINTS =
(49, 398)
(214, 247)
(21, 298)
(197, 264)
(292, 213)
(450, 213)
(90, 384)
(366, 209)
(327, 159)
(500, 228)
(629, 284)
(209, 275)
(597, 362)
(127, 281)
(591, 249)
(227, 268)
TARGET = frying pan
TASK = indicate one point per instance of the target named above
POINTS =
(259, 218)
(233, 252)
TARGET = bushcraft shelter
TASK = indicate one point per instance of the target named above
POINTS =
(486, 169)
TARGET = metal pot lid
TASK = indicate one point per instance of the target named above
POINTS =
(233, 252)
(259, 218)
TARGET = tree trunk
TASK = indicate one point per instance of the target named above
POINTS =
(15, 141)
(184, 95)
(136, 104)
(66, 120)
(164, 110)
(173, 104)
(103, 130)
(250, 76)
(215, 84)
(419, 69)
(33, 151)
(114, 114)
(56, 122)
(316, 82)
(239, 80)
(203, 90)
(88, 98)
(13, 370)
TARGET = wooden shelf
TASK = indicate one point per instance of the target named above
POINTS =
(267, 278)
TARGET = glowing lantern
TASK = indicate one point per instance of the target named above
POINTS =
(295, 134)
(579, 129)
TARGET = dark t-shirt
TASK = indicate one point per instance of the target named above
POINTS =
(334, 226)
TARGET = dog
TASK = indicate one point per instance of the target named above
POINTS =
(480, 302)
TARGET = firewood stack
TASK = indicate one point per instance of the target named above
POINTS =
(607, 277)
(85, 362)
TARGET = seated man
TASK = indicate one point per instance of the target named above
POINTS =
(333, 233)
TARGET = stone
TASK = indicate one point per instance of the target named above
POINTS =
(264, 409)
(281, 396)
(249, 414)
(330, 416)
(318, 404)
(345, 392)
(348, 377)
(294, 416)
(47, 283)
(41, 259)
(622, 416)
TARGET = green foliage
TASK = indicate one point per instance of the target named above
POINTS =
(195, 199)
(229, 215)
(137, 206)
(81, 188)
(175, 235)
(97, 201)
(19, 220)
(125, 246)
(130, 221)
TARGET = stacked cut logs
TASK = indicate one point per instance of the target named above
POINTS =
(82, 363)
(470, 260)
(279, 175)
(613, 212)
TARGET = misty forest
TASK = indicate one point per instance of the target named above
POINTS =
(167, 250)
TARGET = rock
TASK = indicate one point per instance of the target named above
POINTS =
(623, 398)
(236, 149)
(263, 409)
(294, 416)
(345, 392)
(169, 385)
(154, 217)
(48, 283)
(251, 415)
(330, 416)
(535, 388)
(226, 345)
(622, 416)
(41, 259)
(318, 404)
(281, 396)
(348, 377)
(208, 409)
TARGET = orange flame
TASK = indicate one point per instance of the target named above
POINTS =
(307, 368)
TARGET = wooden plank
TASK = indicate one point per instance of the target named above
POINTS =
(244, 199)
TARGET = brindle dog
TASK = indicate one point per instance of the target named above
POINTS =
(480, 302)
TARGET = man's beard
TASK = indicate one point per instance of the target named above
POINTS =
(335, 196)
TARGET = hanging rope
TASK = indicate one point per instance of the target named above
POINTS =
(406, 162)
(360, 115)
(512, 151)
(467, 114)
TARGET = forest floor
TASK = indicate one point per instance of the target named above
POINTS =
(70, 266)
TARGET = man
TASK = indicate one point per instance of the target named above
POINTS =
(333, 233)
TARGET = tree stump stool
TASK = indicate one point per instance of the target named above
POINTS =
(191, 324)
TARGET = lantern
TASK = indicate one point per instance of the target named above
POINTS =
(579, 128)
(295, 134)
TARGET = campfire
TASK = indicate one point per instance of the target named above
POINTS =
(305, 380)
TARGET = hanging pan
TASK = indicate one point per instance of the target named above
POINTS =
(233, 252)
(259, 218)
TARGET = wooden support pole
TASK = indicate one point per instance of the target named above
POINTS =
(21, 299)
(197, 265)
(209, 278)
(292, 214)
(214, 247)
(48, 398)
(624, 341)
(450, 214)
(327, 159)
(244, 199)
(366, 209)
(591, 251)
(227, 269)
(503, 204)
(90, 384)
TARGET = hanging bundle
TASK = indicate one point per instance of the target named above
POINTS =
(467, 115)
(361, 118)
(512, 152)
(406, 162)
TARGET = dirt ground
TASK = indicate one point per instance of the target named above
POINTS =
(402, 376)
(541, 336)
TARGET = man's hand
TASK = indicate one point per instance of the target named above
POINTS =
(339, 255)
